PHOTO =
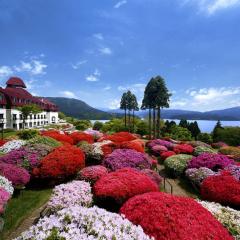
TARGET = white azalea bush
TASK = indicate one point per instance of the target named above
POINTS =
(71, 194)
(6, 184)
(229, 217)
(12, 145)
(78, 222)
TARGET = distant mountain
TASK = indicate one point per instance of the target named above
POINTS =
(81, 110)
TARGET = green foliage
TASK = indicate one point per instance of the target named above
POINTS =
(229, 135)
(114, 125)
(142, 128)
(28, 134)
(205, 137)
(216, 128)
(97, 125)
(61, 115)
(202, 149)
(45, 140)
(82, 124)
(180, 133)
(26, 110)
(183, 123)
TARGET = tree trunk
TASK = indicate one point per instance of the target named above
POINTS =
(158, 121)
(129, 125)
(125, 117)
(133, 120)
(150, 123)
(154, 123)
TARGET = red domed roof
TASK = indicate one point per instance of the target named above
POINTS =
(15, 82)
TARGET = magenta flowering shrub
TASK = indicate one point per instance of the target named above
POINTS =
(4, 197)
(38, 149)
(211, 161)
(161, 142)
(17, 175)
(153, 175)
(21, 157)
(158, 149)
(127, 158)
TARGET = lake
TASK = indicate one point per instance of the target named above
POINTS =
(204, 125)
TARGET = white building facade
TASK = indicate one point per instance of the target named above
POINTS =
(14, 96)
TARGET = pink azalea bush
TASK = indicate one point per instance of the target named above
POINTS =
(211, 161)
(17, 175)
(122, 158)
(4, 197)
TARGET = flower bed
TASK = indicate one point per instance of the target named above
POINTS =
(183, 148)
(223, 188)
(45, 140)
(63, 162)
(165, 155)
(58, 136)
(6, 184)
(219, 145)
(18, 176)
(121, 158)
(176, 165)
(119, 137)
(167, 217)
(233, 151)
(76, 193)
(116, 187)
(201, 149)
(211, 161)
(234, 170)
(160, 142)
(229, 217)
(153, 175)
(96, 134)
(4, 197)
(81, 136)
(77, 223)
(92, 173)
(12, 145)
(137, 145)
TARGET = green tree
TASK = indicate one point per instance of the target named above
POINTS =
(134, 107)
(27, 110)
(205, 137)
(61, 115)
(123, 106)
(97, 125)
(194, 129)
(183, 123)
(215, 130)
(180, 133)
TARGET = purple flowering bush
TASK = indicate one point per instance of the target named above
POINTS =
(161, 142)
(4, 197)
(39, 149)
(17, 175)
(153, 175)
(211, 161)
(126, 158)
(21, 157)
(197, 175)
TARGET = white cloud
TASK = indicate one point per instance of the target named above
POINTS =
(119, 4)
(114, 104)
(68, 94)
(179, 103)
(212, 6)
(98, 36)
(78, 64)
(107, 88)
(135, 88)
(5, 71)
(105, 51)
(34, 67)
(93, 77)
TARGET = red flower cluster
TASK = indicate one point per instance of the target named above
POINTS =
(223, 188)
(167, 217)
(137, 145)
(109, 148)
(2, 142)
(165, 155)
(81, 136)
(64, 161)
(183, 148)
(123, 184)
(59, 137)
(119, 137)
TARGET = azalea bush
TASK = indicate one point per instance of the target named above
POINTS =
(12, 145)
(198, 144)
(76, 193)
(211, 161)
(81, 136)
(234, 170)
(233, 151)
(223, 188)
(61, 137)
(168, 217)
(219, 145)
(6, 184)
(183, 148)
(197, 175)
(119, 137)
(92, 173)
(45, 140)
(78, 222)
(116, 187)
(230, 218)
(63, 162)
(4, 197)
(18, 176)
(137, 145)
(121, 158)
(28, 134)
(2, 142)
(167, 154)
(21, 157)
(95, 133)
(201, 149)
(161, 142)
(176, 164)
(158, 150)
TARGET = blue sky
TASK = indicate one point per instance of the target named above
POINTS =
(94, 50)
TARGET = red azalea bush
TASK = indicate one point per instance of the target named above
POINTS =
(109, 148)
(63, 162)
(165, 155)
(223, 188)
(137, 145)
(2, 142)
(17, 175)
(116, 187)
(167, 217)
(183, 148)
(92, 173)
(119, 137)
(81, 136)
(58, 136)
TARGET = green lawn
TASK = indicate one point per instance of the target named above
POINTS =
(21, 206)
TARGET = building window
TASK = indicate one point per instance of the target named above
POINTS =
(34, 123)
(1, 116)
(38, 116)
(14, 116)
(53, 119)
(30, 116)
(30, 124)
(21, 117)
(35, 117)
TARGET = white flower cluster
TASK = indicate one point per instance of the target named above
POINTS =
(12, 145)
(6, 184)
(97, 147)
(229, 217)
(70, 194)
